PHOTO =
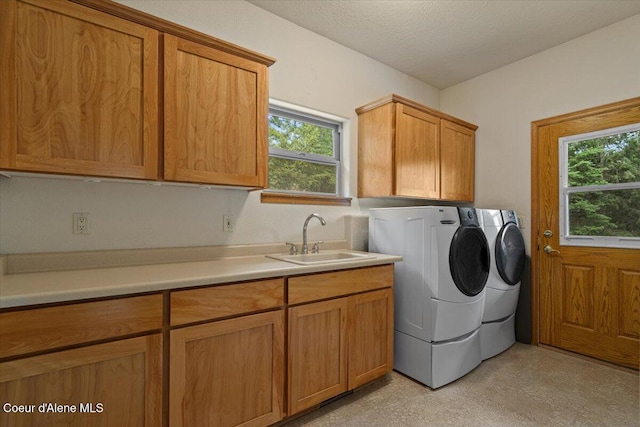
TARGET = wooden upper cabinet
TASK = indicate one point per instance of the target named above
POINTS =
(409, 150)
(456, 161)
(80, 95)
(215, 116)
(416, 153)
(79, 91)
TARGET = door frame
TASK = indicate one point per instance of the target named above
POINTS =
(535, 162)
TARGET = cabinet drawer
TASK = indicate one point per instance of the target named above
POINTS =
(196, 305)
(41, 329)
(337, 283)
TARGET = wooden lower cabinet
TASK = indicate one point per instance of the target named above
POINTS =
(228, 373)
(370, 336)
(317, 353)
(114, 384)
(339, 344)
(222, 370)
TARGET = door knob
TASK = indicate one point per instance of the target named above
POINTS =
(548, 249)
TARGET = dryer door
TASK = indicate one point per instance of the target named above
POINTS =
(510, 254)
(469, 260)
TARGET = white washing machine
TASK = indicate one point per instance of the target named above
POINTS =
(506, 244)
(439, 288)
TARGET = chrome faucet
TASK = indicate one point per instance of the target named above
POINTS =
(305, 248)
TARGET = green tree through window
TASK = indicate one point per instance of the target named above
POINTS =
(303, 153)
(598, 164)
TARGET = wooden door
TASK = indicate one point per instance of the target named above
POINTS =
(114, 384)
(228, 373)
(215, 124)
(589, 297)
(370, 336)
(79, 91)
(317, 353)
(457, 160)
(417, 153)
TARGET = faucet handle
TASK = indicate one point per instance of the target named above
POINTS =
(316, 247)
(294, 248)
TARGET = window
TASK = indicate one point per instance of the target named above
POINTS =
(600, 188)
(304, 152)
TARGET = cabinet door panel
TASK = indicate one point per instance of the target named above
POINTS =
(228, 373)
(82, 91)
(215, 116)
(125, 377)
(370, 336)
(317, 353)
(417, 153)
(457, 161)
(375, 152)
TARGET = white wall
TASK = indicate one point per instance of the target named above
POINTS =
(598, 68)
(595, 69)
(312, 71)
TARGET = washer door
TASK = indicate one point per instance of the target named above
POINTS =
(469, 260)
(510, 254)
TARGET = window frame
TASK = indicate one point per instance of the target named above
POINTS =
(293, 112)
(567, 239)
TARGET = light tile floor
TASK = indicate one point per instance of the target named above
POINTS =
(524, 386)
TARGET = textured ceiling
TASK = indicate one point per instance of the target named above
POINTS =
(443, 43)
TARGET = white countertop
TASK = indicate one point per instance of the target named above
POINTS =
(22, 289)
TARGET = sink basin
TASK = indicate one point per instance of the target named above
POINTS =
(320, 258)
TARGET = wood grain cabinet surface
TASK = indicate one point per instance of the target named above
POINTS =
(215, 112)
(339, 343)
(80, 95)
(237, 354)
(58, 355)
(229, 372)
(79, 91)
(407, 149)
(317, 353)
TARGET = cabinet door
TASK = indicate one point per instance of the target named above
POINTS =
(375, 151)
(215, 123)
(317, 353)
(114, 384)
(417, 153)
(79, 91)
(228, 373)
(370, 336)
(457, 160)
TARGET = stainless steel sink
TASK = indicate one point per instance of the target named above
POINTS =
(321, 258)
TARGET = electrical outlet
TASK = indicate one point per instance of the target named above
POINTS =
(81, 223)
(228, 223)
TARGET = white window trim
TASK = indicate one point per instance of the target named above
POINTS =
(339, 150)
(563, 155)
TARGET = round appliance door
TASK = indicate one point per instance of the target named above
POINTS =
(469, 260)
(510, 254)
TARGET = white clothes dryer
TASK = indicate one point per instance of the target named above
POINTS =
(507, 248)
(439, 288)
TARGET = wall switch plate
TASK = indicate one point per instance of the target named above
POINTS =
(228, 223)
(81, 223)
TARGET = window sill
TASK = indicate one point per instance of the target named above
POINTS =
(303, 199)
